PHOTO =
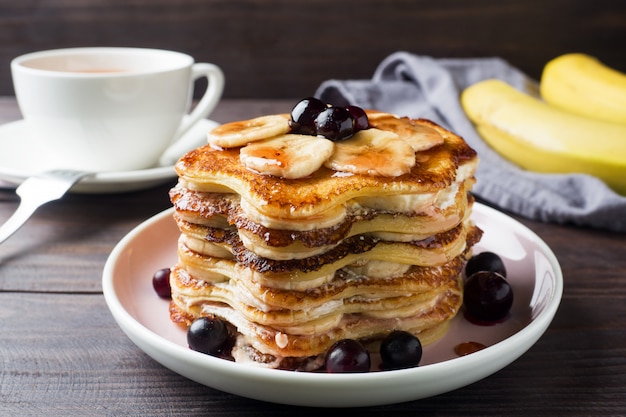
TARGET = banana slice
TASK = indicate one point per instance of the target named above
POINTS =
(373, 152)
(419, 137)
(240, 133)
(287, 156)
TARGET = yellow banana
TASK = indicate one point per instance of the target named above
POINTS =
(583, 85)
(542, 138)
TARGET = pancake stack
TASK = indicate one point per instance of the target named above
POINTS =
(297, 241)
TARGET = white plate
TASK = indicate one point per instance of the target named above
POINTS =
(18, 162)
(533, 272)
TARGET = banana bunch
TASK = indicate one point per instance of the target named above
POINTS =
(544, 137)
(581, 84)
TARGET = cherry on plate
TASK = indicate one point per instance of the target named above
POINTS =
(485, 261)
(399, 350)
(347, 356)
(487, 296)
(161, 283)
(207, 335)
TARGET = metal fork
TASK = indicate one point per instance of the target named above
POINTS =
(36, 191)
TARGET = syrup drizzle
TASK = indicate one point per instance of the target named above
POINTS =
(467, 348)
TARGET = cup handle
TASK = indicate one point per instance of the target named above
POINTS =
(205, 106)
(211, 96)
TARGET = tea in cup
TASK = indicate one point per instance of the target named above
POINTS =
(111, 108)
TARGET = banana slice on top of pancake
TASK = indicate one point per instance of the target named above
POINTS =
(235, 134)
(287, 156)
(420, 136)
(373, 152)
(269, 147)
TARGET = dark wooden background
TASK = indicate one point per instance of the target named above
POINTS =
(62, 352)
(286, 48)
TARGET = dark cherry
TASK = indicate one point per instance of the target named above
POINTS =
(207, 335)
(485, 261)
(161, 283)
(335, 123)
(399, 350)
(361, 121)
(487, 296)
(303, 116)
(347, 356)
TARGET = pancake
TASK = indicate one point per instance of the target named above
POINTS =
(306, 273)
(323, 193)
(297, 241)
(221, 210)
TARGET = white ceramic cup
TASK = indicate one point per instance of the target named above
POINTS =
(111, 109)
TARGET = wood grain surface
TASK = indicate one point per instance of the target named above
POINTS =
(62, 354)
(284, 48)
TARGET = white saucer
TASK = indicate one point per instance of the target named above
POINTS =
(18, 162)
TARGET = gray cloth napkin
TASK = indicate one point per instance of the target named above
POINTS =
(420, 86)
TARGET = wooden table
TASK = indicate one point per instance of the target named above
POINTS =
(62, 354)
